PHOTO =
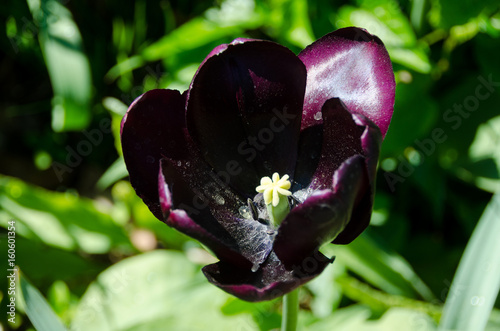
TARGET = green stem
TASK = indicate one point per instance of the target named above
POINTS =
(290, 311)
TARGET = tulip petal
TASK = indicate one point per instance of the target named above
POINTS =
(371, 142)
(322, 216)
(152, 127)
(244, 111)
(341, 139)
(198, 203)
(352, 65)
(271, 281)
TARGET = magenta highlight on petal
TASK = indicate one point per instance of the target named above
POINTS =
(253, 110)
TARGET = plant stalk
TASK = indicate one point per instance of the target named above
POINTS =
(290, 311)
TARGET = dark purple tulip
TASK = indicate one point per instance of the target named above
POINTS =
(254, 109)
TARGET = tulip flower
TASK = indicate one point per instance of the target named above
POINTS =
(267, 156)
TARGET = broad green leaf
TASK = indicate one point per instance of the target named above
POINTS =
(59, 219)
(160, 290)
(67, 64)
(385, 270)
(476, 283)
(38, 310)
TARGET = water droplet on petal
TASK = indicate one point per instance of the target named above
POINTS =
(255, 267)
(179, 163)
(245, 212)
(318, 116)
(219, 199)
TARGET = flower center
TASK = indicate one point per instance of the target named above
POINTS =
(275, 192)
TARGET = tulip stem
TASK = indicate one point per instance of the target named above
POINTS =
(290, 311)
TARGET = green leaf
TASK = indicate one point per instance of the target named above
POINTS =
(357, 318)
(124, 195)
(447, 13)
(476, 283)
(159, 290)
(45, 263)
(327, 293)
(289, 21)
(38, 310)
(414, 111)
(114, 173)
(62, 220)
(385, 270)
(230, 20)
(68, 66)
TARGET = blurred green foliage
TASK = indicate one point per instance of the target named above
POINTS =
(82, 235)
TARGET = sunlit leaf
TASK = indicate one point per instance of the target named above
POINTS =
(66, 62)
(60, 219)
(114, 173)
(476, 283)
(38, 310)
(231, 19)
(357, 318)
(160, 290)
(289, 21)
(385, 270)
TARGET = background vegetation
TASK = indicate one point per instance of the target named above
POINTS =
(69, 71)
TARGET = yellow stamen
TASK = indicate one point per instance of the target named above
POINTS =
(273, 189)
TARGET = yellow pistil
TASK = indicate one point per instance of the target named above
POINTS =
(273, 190)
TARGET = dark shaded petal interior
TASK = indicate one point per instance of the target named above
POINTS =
(244, 111)
(322, 216)
(371, 142)
(153, 127)
(215, 208)
(341, 139)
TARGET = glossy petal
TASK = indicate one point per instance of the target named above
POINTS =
(322, 216)
(371, 142)
(271, 281)
(153, 127)
(339, 141)
(245, 106)
(352, 65)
